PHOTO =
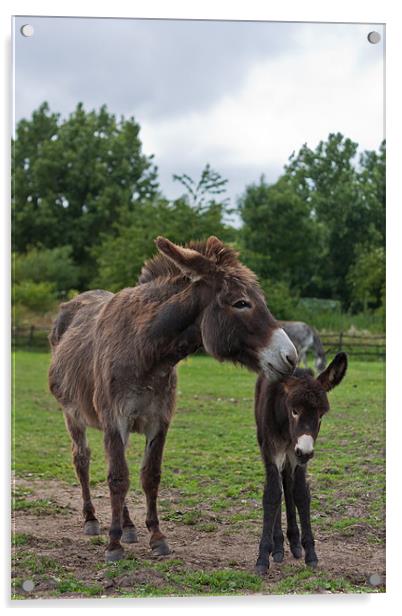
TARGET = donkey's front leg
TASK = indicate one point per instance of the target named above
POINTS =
(118, 481)
(271, 503)
(302, 499)
(150, 477)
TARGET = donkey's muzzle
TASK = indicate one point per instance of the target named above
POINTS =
(279, 358)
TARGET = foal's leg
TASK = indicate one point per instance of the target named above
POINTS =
(271, 502)
(118, 481)
(293, 533)
(277, 550)
(81, 458)
(302, 500)
(150, 478)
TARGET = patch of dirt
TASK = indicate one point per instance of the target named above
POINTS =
(59, 537)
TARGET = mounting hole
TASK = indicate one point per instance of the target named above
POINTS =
(374, 37)
(27, 30)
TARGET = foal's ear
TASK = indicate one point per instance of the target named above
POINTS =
(192, 263)
(335, 372)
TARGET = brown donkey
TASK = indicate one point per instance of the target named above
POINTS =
(288, 416)
(114, 356)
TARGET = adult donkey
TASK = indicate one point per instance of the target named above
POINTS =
(114, 356)
(304, 337)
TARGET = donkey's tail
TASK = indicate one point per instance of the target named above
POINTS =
(63, 320)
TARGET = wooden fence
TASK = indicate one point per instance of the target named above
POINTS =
(365, 347)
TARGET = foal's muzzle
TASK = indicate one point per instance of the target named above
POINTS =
(304, 448)
(303, 458)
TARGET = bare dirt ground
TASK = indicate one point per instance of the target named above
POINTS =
(58, 536)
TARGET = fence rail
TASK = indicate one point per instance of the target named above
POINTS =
(356, 345)
(367, 346)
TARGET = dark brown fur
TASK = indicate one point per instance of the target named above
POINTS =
(287, 412)
(114, 356)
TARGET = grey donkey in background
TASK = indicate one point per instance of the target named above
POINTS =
(305, 337)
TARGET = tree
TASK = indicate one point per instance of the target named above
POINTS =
(201, 195)
(343, 201)
(73, 177)
(54, 266)
(366, 278)
(120, 257)
(282, 239)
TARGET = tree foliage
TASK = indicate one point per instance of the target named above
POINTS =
(54, 266)
(308, 228)
(87, 208)
(72, 178)
(120, 257)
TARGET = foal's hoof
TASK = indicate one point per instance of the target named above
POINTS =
(278, 557)
(296, 551)
(91, 527)
(312, 563)
(112, 556)
(129, 535)
(261, 569)
(160, 548)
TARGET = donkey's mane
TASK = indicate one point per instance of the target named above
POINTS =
(225, 258)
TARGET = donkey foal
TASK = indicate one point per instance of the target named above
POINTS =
(288, 416)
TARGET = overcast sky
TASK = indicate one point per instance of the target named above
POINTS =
(241, 96)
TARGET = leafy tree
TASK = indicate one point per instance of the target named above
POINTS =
(203, 194)
(120, 257)
(282, 239)
(366, 278)
(281, 300)
(34, 296)
(54, 266)
(72, 178)
(346, 201)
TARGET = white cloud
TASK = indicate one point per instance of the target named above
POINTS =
(329, 85)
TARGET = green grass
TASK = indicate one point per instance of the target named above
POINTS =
(213, 464)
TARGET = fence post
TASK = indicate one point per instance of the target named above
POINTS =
(340, 341)
(31, 335)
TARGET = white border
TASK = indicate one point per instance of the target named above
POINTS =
(368, 11)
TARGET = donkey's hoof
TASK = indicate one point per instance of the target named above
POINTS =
(160, 548)
(92, 527)
(112, 556)
(296, 551)
(312, 563)
(129, 535)
(261, 569)
(278, 557)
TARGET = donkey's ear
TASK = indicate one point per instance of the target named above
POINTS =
(214, 243)
(192, 263)
(335, 372)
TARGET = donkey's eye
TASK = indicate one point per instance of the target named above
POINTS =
(241, 304)
(295, 413)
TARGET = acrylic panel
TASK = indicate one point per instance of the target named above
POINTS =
(198, 206)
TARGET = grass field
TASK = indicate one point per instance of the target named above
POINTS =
(211, 490)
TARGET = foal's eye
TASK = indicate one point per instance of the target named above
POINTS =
(241, 304)
(295, 413)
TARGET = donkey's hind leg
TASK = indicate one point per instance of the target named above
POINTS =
(150, 478)
(81, 458)
(129, 531)
(118, 481)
